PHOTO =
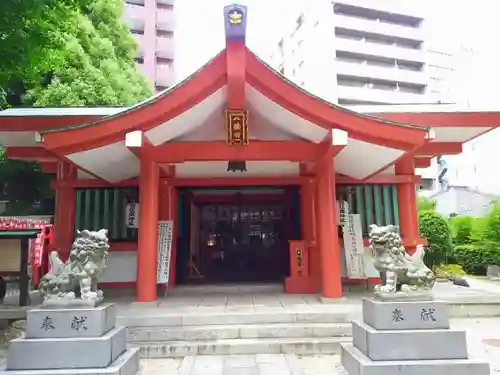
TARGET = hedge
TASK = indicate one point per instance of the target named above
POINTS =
(475, 258)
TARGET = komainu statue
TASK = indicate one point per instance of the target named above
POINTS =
(74, 282)
(402, 276)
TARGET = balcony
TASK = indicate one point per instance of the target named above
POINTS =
(379, 96)
(383, 50)
(380, 72)
(165, 47)
(135, 16)
(381, 28)
(165, 19)
(164, 75)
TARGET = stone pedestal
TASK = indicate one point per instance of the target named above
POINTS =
(399, 338)
(71, 341)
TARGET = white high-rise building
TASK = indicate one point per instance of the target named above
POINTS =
(365, 52)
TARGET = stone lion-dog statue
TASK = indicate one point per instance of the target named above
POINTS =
(74, 282)
(402, 276)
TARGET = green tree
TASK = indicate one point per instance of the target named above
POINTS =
(435, 229)
(63, 53)
(425, 204)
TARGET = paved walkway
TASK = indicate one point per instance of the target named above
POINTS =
(483, 339)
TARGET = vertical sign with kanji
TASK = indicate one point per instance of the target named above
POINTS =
(237, 127)
(165, 238)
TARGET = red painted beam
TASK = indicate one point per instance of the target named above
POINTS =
(236, 181)
(30, 153)
(381, 179)
(440, 148)
(423, 162)
(49, 167)
(177, 152)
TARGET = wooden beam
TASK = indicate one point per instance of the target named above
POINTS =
(236, 181)
(39, 154)
(178, 152)
(423, 162)
(380, 179)
(335, 142)
(440, 148)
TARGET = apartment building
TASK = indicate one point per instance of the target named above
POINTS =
(152, 24)
(365, 52)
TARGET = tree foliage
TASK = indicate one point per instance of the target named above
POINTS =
(62, 53)
(435, 229)
(68, 53)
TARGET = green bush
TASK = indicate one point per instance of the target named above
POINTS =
(449, 270)
(475, 258)
(461, 229)
(435, 229)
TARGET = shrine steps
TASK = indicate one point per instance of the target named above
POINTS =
(240, 333)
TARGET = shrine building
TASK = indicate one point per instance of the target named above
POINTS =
(237, 175)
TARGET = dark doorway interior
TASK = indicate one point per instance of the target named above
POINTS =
(236, 235)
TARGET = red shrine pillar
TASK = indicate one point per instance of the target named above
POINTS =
(148, 231)
(331, 278)
(308, 225)
(65, 210)
(407, 204)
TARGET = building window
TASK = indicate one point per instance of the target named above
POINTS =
(163, 61)
(161, 5)
(164, 33)
(139, 60)
(160, 88)
(135, 2)
(137, 32)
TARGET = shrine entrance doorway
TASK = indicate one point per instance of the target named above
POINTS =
(238, 235)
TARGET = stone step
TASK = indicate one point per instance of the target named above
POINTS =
(345, 314)
(125, 364)
(356, 363)
(197, 290)
(304, 346)
(237, 331)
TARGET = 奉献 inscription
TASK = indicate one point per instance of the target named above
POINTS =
(427, 315)
(397, 316)
(78, 323)
(47, 324)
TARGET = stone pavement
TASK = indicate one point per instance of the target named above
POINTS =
(483, 339)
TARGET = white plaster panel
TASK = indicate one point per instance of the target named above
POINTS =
(457, 134)
(189, 120)
(369, 269)
(113, 162)
(283, 118)
(254, 169)
(361, 159)
(388, 172)
(17, 139)
(82, 175)
(122, 267)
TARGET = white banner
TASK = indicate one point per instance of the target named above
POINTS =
(165, 237)
(132, 215)
(354, 247)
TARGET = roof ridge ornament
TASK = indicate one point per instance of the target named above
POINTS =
(235, 22)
